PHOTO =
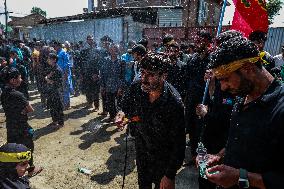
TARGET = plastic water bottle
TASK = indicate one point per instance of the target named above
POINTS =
(202, 158)
(84, 170)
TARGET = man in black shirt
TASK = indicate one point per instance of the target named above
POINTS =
(252, 154)
(159, 128)
(54, 87)
(177, 69)
(215, 114)
(16, 108)
(16, 63)
(195, 70)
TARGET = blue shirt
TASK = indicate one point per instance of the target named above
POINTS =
(129, 72)
(63, 60)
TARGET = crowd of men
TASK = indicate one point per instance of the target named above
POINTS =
(160, 90)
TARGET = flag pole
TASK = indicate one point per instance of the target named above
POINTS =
(200, 146)
(218, 32)
(221, 17)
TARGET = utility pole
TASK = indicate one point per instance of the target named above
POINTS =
(6, 18)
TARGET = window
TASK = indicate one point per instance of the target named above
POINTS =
(203, 12)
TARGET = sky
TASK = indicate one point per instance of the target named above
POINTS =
(57, 8)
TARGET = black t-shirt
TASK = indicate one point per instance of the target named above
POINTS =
(217, 120)
(256, 136)
(160, 133)
(195, 70)
(14, 102)
(56, 77)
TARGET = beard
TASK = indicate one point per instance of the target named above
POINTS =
(245, 87)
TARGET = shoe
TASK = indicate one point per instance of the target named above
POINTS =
(96, 109)
(102, 113)
(60, 126)
(66, 107)
(89, 106)
(54, 123)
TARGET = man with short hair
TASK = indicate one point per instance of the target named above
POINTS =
(14, 62)
(177, 69)
(259, 38)
(255, 140)
(90, 71)
(64, 64)
(53, 88)
(111, 82)
(157, 115)
(16, 108)
(138, 52)
(195, 70)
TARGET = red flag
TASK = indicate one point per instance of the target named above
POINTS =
(250, 15)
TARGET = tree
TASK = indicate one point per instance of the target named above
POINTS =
(273, 8)
(3, 27)
(37, 10)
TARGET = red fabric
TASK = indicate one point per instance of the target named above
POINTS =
(250, 15)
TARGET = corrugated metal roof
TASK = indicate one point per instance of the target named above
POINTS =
(275, 39)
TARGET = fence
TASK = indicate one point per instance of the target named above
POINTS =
(275, 39)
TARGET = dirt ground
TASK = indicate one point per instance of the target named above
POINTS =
(78, 144)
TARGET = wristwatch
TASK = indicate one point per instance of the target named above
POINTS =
(243, 180)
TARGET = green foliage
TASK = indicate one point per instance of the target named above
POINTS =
(38, 11)
(9, 28)
(273, 8)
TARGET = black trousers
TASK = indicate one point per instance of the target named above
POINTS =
(56, 107)
(93, 97)
(150, 168)
(92, 90)
(104, 103)
(21, 136)
(111, 104)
